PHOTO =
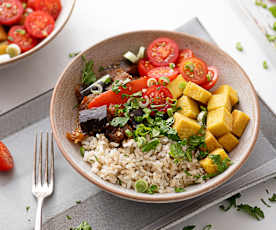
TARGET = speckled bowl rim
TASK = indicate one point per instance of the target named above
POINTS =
(158, 198)
(41, 44)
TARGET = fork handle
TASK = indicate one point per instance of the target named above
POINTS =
(38, 219)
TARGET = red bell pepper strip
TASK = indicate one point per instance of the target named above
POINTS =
(111, 98)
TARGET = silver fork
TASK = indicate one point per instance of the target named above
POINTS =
(42, 189)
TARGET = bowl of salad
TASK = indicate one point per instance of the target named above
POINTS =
(155, 116)
(28, 25)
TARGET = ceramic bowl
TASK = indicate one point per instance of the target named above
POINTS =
(67, 8)
(64, 119)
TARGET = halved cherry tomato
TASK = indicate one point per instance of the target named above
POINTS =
(52, 7)
(10, 11)
(213, 74)
(163, 71)
(194, 69)
(31, 3)
(19, 36)
(6, 160)
(111, 98)
(26, 12)
(158, 95)
(162, 52)
(184, 54)
(144, 66)
(39, 24)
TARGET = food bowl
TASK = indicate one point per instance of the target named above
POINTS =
(64, 119)
(67, 8)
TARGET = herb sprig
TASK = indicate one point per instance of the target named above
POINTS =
(232, 202)
(255, 212)
(88, 74)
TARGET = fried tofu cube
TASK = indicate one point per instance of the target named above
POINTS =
(219, 100)
(177, 86)
(197, 93)
(207, 163)
(3, 34)
(188, 106)
(185, 126)
(3, 47)
(211, 142)
(219, 121)
(228, 90)
(240, 121)
(228, 141)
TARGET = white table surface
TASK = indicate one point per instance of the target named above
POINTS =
(93, 21)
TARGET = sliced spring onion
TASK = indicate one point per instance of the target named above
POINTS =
(144, 105)
(141, 53)
(170, 112)
(130, 56)
(157, 106)
(182, 85)
(141, 186)
(13, 50)
(97, 88)
(151, 82)
(172, 65)
(171, 101)
(201, 117)
(164, 80)
(105, 80)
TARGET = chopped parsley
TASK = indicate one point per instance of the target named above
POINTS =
(270, 37)
(272, 10)
(68, 217)
(27, 208)
(266, 204)
(83, 226)
(239, 46)
(265, 66)
(82, 151)
(20, 31)
(190, 227)
(273, 198)
(73, 54)
(207, 227)
(222, 165)
(260, 3)
(151, 145)
(117, 85)
(119, 121)
(152, 189)
(189, 66)
(232, 202)
(78, 201)
(88, 75)
(209, 76)
(255, 212)
(176, 189)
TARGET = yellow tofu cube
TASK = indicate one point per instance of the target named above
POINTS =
(219, 100)
(177, 86)
(240, 121)
(211, 142)
(219, 121)
(188, 106)
(228, 141)
(3, 47)
(197, 93)
(185, 126)
(228, 90)
(207, 163)
(3, 34)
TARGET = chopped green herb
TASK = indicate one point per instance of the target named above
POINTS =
(176, 151)
(8, 5)
(255, 212)
(73, 54)
(187, 173)
(266, 204)
(182, 85)
(88, 75)
(83, 226)
(189, 66)
(129, 133)
(10, 38)
(272, 10)
(222, 165)
(202, 154)
(273, 198)
(69, 217)
(151, 145)
(260, 3)
(82, 151)
(274, 26)
(203, 108)
(170, 112)
(101, 69)
(117, 85)
(176, 189)
(119, 121)
(209, 76)
(232, 202)
(207, 227)
(172, 65)
(152, 189)
(78, 201)
(270, 37)
(239, 46)
(190, 227)
(265, 66)
(141, 186)
(20, 31)
(28, 208)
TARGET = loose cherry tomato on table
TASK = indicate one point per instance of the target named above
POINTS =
(18, 35)
(162, 52)
(194, 69)
(144, 66)
(10, 11)
(52, 7)
(184, 54)
(212, 77)
(6, 160)
(39, 24)
(163, 72)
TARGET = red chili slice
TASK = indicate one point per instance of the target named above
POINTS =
(18, 35)
(10, 12)
(144, 66)
(52, 7)
(163, 71)
(39, 24)
(162, 52)
(213, 74)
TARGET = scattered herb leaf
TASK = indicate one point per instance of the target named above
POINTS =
(152, 189)
(265, 66)
(232, 202)
(150, 145)
(239, 46)
(68, 217)
(88, 75)
(255, 212)
(73, 54)
(119, 121)
(207, 227)
(190, 227)
(78, 201)
(176, 189)
(266, 204)
(272, 10)
(273, 198)
(28, 208)
(83, 226)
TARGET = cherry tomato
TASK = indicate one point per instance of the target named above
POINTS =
(194, 69)
(158, 97)
(10, 11)
(162, 52)
(6, 160)
(213, 73)
(39, 24)
(184, 54)
(144, 66)
(52, 7)
(26, 12)
(31, 3)
(163, 71)
(19, 36)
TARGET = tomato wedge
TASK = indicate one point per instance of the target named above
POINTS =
(184, 54)
(213, 76)
(31, 3)
(144, 66)
(194, 69)
(39, 24)
(18, 35)
(162, 52)
(52, 7)
(10, 12)
(111, 98)
(6, 160)
(163, 71)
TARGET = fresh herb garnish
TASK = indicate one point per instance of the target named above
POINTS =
(73, 54)
(88, 75)
(255, 212)
(82, 151)
(202, 154)
(272, 10)
(266, 204)
(274, 26)
(101, 69)
(78, 201)
(152, 189)
(150, 145)
(69, 217)
(221, 165)
(209, 76)
(207, 227)
(27, 208)
(270, 37)
(265, 66)
(190, 227)
(176, 189)
(20, 31)
(232, 202)
(83, 226)
(118, 84)
(273, 198)
(189, 66)
(119, 121)
(10, 38)
(239, 46)
(260, 3)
